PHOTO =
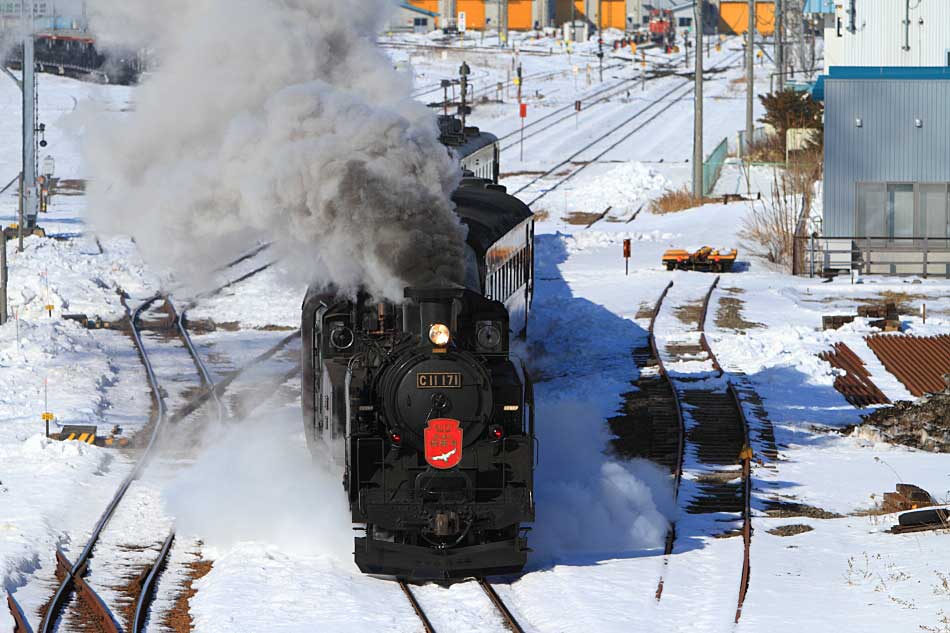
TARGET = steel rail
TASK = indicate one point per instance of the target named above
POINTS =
(206, 379)
(601, 138)
(20, 623)
(73, 571)
(496, 600)
(746, 457)
(569, 107)
(423, 618)
(681, 435)
(246, 256)
(144, 601)
(660, 72)
(65, 587)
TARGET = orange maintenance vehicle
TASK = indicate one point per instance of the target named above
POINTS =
(706, 259)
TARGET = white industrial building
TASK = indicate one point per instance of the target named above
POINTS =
(887, 33)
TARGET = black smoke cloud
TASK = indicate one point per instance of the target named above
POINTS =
(277, 120)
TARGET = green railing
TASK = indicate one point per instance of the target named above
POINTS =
(712, 166)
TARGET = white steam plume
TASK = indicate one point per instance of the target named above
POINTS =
(275, 119)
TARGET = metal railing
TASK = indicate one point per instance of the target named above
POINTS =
(712, 166)
(921, 256)
(759, 135)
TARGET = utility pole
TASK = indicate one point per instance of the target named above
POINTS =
(29, 191)
(450, 14)
(504, 21)
(749, 77)
(600, 39)
(779, 38)
(3, 278)
(698, 106)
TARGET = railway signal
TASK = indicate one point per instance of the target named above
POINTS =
(626, 255)
(523, 113)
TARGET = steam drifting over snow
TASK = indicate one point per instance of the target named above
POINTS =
(283, 121)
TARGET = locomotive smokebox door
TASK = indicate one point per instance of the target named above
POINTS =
(443, 440)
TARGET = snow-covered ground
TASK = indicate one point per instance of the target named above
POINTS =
(276, 528)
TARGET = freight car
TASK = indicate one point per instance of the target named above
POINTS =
(75, 54)
(427, 410)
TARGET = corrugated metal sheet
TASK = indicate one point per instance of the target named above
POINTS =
(734, 17)
(879, 36)
(856, 385)
(888, 147)
(918, 362)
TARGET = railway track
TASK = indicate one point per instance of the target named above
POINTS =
(88, 609)
(564, 113)
(509, 620)
(654, 109)
(688, 416)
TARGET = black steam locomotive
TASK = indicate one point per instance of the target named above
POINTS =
(431, 417)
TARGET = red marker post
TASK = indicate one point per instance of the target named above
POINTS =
(626, 254)
(524, 115)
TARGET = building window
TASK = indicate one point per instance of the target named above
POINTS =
(686, 22)
(899, 212)
(934, 219)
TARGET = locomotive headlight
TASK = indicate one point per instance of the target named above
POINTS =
(439, 334)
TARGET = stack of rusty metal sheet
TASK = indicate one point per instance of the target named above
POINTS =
(856, 385)
(920, 363)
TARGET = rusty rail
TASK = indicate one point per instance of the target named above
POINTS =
(856, 385)
(101, 617)
(703, 342)
(681, 435)
(703, 397)
(73, 572)
(496, 600)
(918, 362)
(746, 457)
(423, 618)
(20, 623)
(149, 581)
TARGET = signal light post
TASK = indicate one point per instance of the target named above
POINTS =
(523, 112)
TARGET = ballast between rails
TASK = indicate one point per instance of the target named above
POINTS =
(509, 619)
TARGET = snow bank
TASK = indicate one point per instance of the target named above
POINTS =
(624, 186)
